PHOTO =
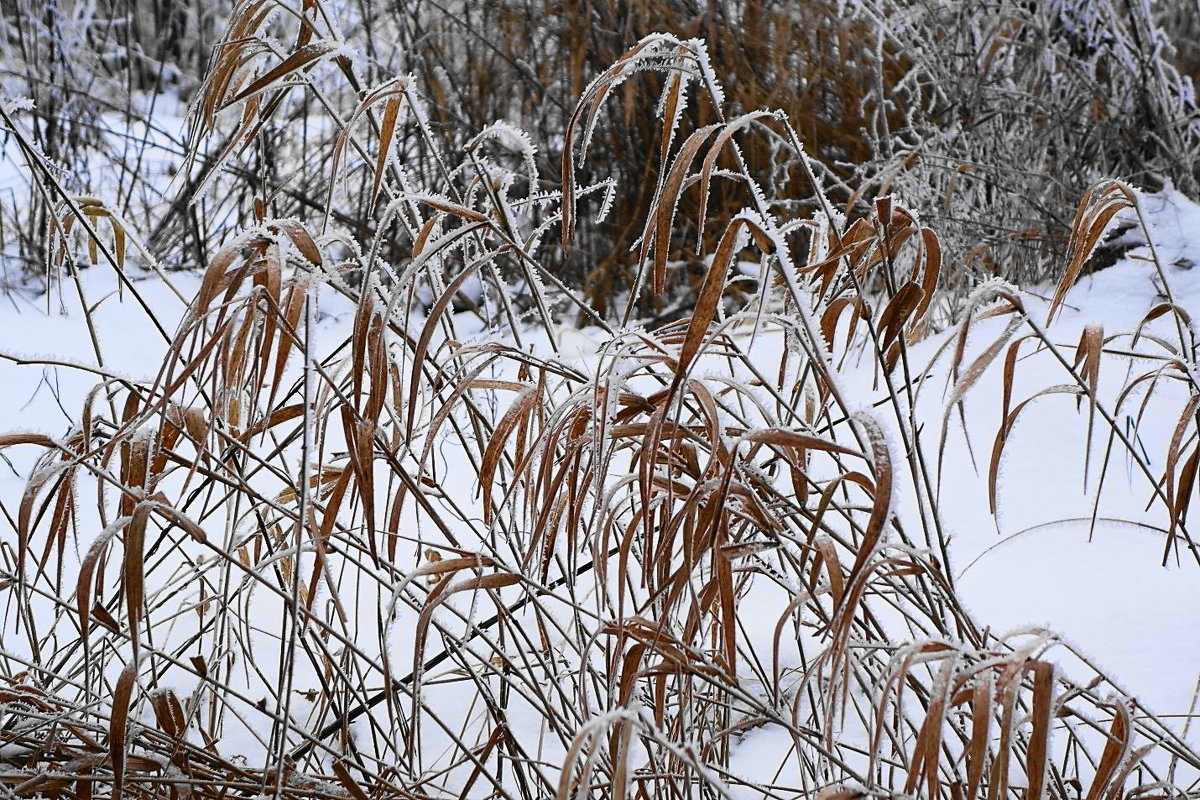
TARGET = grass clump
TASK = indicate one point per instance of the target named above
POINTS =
(411, 559)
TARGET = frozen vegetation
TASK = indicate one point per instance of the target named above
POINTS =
(375, 426)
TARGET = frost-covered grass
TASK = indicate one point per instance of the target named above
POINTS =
(371, 514)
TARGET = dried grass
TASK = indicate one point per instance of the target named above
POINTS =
(414, 565)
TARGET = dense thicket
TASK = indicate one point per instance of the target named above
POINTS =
(989, 119)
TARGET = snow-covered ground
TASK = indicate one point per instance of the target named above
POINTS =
(1108, 593)
(1038, 561)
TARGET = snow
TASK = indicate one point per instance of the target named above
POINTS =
(1037, 562)
(1107, 594)
(48, 398)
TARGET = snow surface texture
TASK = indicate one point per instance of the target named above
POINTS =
(1034, 563)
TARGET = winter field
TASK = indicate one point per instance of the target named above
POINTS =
(344, 454)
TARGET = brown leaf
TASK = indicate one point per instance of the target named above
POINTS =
(1037, 756)
(1116, 750)
(304, 58)
(347, 780)
(710, 294)
(387, 131)
(520, 409)
(134, 571)
(664, 214)
(118, 745)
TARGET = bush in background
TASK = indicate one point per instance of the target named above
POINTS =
(988, 119)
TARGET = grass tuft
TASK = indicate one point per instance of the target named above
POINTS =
(426, 553)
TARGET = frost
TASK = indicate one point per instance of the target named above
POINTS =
(514, 137)
(707, 74)
(14, 105)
